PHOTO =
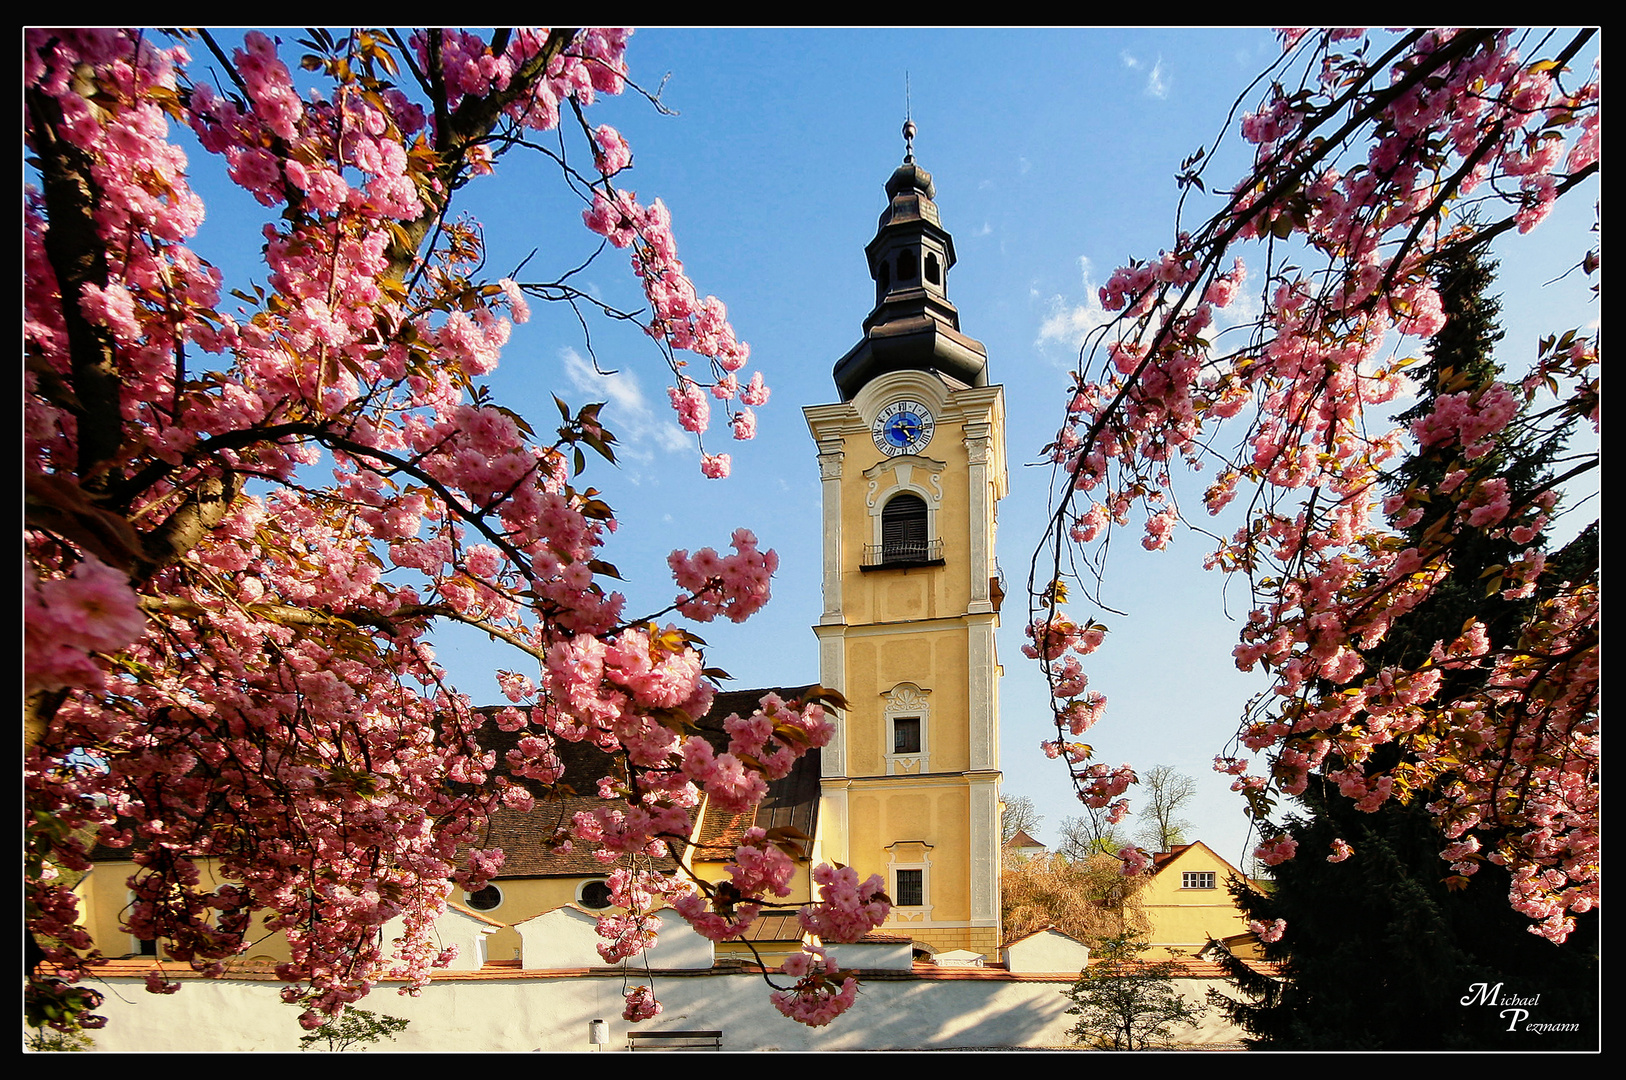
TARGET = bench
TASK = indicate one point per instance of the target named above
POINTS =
(674, 1040)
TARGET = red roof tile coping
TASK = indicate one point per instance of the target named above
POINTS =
(136, 967)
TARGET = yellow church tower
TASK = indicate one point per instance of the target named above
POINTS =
(912, 463)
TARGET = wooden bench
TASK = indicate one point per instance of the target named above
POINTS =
(674, 1040)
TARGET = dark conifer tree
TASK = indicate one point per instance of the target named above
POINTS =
(1382, 949)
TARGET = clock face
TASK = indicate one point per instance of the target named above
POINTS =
(903, 427)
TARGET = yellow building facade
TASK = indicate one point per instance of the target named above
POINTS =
(912, 464)
(1185, 900)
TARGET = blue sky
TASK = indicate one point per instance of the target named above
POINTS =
(1054, 153)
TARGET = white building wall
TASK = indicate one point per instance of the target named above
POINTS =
(533, 1011)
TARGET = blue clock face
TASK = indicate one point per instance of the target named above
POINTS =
(903, 427)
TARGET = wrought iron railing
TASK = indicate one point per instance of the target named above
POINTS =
(904, 553)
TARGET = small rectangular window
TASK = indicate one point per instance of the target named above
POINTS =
(911, 888)
(1197, 880)
(906, 735)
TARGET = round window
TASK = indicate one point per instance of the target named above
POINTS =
(596, 895)
(486, 899)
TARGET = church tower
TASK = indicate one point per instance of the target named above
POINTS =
(912, 463)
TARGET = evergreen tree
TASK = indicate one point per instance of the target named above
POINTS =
(1382, 949)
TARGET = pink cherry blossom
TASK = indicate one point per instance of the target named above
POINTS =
(1270, 932)
(304, 487)
(1356, 168)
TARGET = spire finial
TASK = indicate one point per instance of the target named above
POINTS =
(908, 124)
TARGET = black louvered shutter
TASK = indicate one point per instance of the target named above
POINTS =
(903, 529)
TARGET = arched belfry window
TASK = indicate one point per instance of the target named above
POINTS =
(904, 498)
(933, 275)
(903, 529)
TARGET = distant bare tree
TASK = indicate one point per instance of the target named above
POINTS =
(1020, 816)
(1089, 835)
(1164, 792)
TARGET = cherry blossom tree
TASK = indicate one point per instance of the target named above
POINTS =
(244, 523)
(1372, 942)
(1375, 157)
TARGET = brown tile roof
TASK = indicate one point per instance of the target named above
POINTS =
(524, 835)
(792, 802)
(1163, 858)
(1187, 967)
(471, 913)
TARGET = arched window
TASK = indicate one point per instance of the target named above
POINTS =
(903, 529)
(932, 274)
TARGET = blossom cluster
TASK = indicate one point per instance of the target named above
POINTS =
(733, 586)
(68, 619)
(678, 315)
(1509, 753)
(847, 908)
(816, 999)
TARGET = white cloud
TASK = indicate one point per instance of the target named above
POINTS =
(1069, 324)
(626, 412)
(1157, 83)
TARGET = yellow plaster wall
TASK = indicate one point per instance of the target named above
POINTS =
(104, 894)
(801, 882)
(921, 592)
(933, 659)
(522, 898)
(1184, 919)
(934, 813)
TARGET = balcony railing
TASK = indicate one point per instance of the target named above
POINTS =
(903, 553)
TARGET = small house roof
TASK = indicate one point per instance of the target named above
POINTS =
(1165, 859)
